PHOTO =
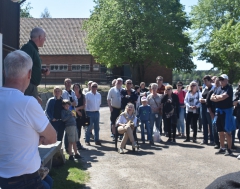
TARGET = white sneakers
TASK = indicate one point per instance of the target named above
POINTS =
(238, 157)
(120, 151)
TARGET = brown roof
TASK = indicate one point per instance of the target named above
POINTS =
(64, 35)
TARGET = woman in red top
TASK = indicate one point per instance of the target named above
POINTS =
(181, 95)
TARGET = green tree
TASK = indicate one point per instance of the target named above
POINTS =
(207, 18)
(25, 10)
(45, 14)
(140, 33)
(225, 46)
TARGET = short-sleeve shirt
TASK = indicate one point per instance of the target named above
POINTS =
(154, 102)
(22, 119)
(114, 94)
(161, 89)
(227, 103)
(123, 120)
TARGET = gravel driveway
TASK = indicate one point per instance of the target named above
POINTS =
(180, 165)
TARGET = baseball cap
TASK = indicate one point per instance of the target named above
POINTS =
(119, 79)
(89, 82)
(143, 98)
(223, 76)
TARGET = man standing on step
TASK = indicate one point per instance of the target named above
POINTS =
(37, 39)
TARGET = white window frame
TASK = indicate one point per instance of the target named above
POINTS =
(96, 68)
(44, 65)
(77, 70)
(58, 70)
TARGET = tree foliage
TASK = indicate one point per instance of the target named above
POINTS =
(209, 21)
(45, 14)
(140, 33)
(25, 10)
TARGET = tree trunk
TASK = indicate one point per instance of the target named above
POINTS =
(138, 73)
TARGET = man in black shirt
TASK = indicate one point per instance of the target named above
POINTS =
(223, 103)
(206, 118)
(211, 109)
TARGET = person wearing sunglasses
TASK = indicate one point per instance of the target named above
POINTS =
(224, 114)
(93, 101)
(170, 103)
(181, 95)
(192, 104)
(128, 95)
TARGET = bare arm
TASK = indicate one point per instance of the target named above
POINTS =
(48, 136)
(217, 98)
(109, 105)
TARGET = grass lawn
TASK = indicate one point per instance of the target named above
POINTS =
(71, 175)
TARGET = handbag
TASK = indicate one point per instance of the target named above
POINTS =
(86, 120)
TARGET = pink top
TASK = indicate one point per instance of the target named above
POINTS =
(181, 96)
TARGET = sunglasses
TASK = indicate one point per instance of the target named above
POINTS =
(169, 89)
(159, 80)
(94, 86)
(221, 79)
(193, 86)
(129, 83)
(179, 85)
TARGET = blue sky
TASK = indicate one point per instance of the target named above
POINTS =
(81, 9)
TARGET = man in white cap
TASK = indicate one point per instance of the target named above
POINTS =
(224, 111)
(114, 101)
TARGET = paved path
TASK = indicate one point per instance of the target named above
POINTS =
(160, 166)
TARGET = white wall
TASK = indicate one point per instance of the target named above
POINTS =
(1, 64)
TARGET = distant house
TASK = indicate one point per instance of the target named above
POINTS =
(64, 51)
(66, 55)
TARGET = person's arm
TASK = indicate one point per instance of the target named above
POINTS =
(75, 100)
(186, 100)
(65, 115)
(48, 136)
(49, 109)
(217, 98)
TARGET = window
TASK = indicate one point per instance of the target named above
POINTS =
(79, 67)
(59, 67)
(95, 67)
(44, 66)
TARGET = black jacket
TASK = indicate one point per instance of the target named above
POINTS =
(175, 103)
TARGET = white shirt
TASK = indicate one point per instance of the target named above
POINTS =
(66, 95)
(192, 100)
(93, 101)
(121, 119)
(114, 94)
(22, 118)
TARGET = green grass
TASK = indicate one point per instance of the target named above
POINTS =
(71, 175)
(44, 90)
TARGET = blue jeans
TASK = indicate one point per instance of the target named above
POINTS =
(47, 182)
(94, 122)
(157, 121)
(180, 123)
(59, 126)
(206, 120)
(21, 182)
(147, 125)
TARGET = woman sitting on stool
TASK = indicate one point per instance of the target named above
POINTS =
(126, 123)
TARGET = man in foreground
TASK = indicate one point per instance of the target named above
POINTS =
(23, 126)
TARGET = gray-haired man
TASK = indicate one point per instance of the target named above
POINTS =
(37, 39)
(23, 126)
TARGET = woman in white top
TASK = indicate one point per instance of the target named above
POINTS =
(192, 104)
(126, 129)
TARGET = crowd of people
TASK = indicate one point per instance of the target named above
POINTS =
(174, 113)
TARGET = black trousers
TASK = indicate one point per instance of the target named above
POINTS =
(191, 119)
(170, 127)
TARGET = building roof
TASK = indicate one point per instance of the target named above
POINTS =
(64, 35)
